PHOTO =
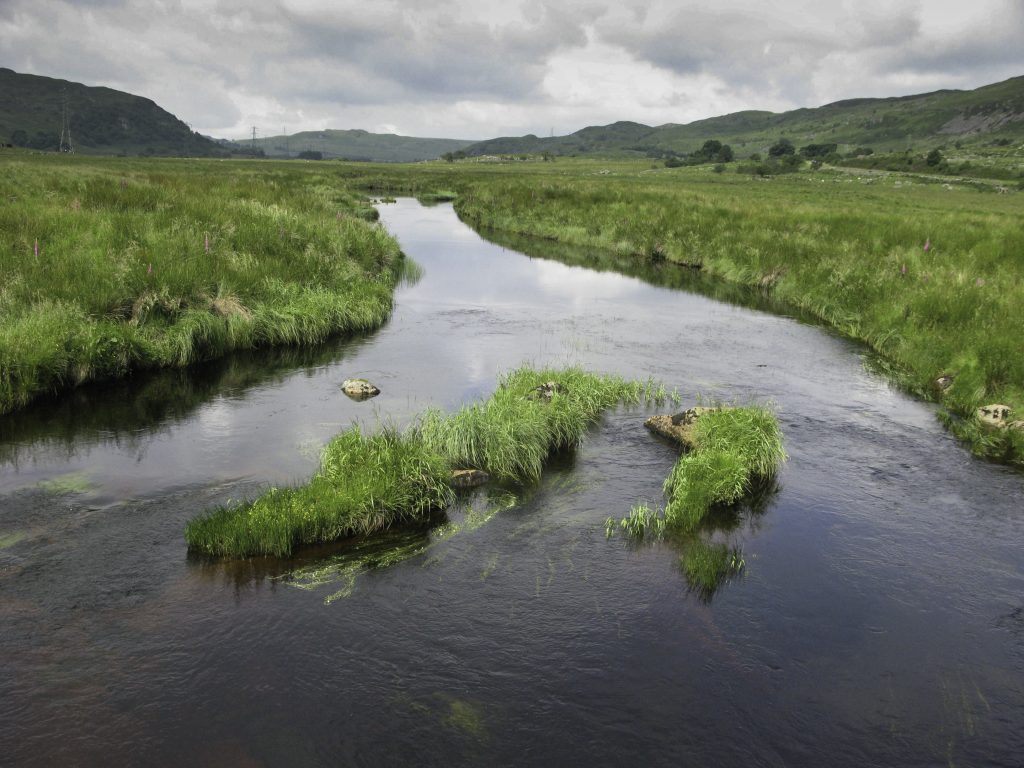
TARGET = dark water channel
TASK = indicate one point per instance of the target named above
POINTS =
(879, 620)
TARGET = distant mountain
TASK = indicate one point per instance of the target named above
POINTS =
(102, 121)
(358, 145)
(987, 113)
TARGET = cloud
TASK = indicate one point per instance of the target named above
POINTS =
(479, 69)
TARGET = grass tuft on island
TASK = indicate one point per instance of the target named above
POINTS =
(735, 451)
(370, 483)
(733, 448)
(366, 483)
(510, 435)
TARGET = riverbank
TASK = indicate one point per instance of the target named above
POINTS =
(112, 266)
(930, 278)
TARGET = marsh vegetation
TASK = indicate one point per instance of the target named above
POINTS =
(370, 483)
(113, 267)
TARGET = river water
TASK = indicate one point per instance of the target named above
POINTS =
(879, 619)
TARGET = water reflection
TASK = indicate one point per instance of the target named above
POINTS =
(129, 413)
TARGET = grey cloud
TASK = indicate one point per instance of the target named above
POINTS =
(221, 62)
(439, 53)
(781, 52)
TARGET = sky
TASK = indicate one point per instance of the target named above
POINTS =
(475, 69)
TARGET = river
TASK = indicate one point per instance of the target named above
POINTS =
(879, 619)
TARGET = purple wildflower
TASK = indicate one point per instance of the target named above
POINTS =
(206, 243)
(903, 269)
(149, 270)
(35, 249)
(927, 244)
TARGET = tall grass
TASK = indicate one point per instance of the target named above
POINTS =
(365, 484)
(511, 434)
(112, 265)
(733, 447)
(369, 483)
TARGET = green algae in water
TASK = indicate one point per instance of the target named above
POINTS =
(465, 717)
(474, 518)
(74, 482)
(10, 539)
(489, 567)
(383, 551)
(345, 568)
(709, 565)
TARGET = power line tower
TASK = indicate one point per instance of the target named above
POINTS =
(65, 126)
(254, 141)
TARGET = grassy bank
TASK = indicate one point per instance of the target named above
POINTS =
(931, 278)
(370, 483)
(111, 266)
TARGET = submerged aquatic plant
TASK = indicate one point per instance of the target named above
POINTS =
(708, 565)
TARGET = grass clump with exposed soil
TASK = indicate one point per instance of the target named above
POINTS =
(734, 452)
(733, 448)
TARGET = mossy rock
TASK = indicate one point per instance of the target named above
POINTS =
(994, 415)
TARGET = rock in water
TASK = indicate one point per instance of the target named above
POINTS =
(680, 426)
(680, 433)
(690, 415)
(359, 389)
(469, 478)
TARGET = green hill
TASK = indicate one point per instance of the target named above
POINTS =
(358, 145)
(989, 113)
(102, 121)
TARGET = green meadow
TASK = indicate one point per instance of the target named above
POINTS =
(111, 265)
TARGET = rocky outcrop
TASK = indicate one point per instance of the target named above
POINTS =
(678, 427)
(359, 389)
(994, 415)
